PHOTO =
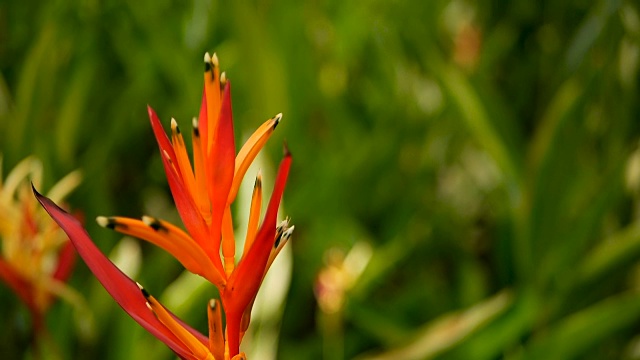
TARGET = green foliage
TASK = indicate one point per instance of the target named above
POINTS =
(486, 151)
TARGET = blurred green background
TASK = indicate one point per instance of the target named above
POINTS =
(466, 177)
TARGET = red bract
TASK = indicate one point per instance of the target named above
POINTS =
(124, 290)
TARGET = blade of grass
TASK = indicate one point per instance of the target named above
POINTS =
(449, 330)
(505, 332)
(578, 333)
(614, 253)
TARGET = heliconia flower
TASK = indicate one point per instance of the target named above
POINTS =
(37, 258)
(203, 193)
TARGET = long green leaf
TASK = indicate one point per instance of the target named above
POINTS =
(578, 333)
(448, 330)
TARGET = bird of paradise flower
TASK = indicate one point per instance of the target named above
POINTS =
(203, 195)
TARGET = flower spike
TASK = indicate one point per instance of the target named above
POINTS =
(203, 191)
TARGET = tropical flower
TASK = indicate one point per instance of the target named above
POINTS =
(37, 258)
(203, 194)
(339, 275)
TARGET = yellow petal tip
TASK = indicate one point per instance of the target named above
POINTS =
(214, 60)
(174, 125)
(276, 120)
(102, 221)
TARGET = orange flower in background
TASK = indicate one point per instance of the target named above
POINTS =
(203, 193)
(37, 258)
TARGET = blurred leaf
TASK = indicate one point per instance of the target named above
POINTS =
(589, 31)
(475, 115)
(579, 332)
(555, 116)
(449, 330)
(382, 262)
(618, 251)
(503, 333)
(72, 111)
